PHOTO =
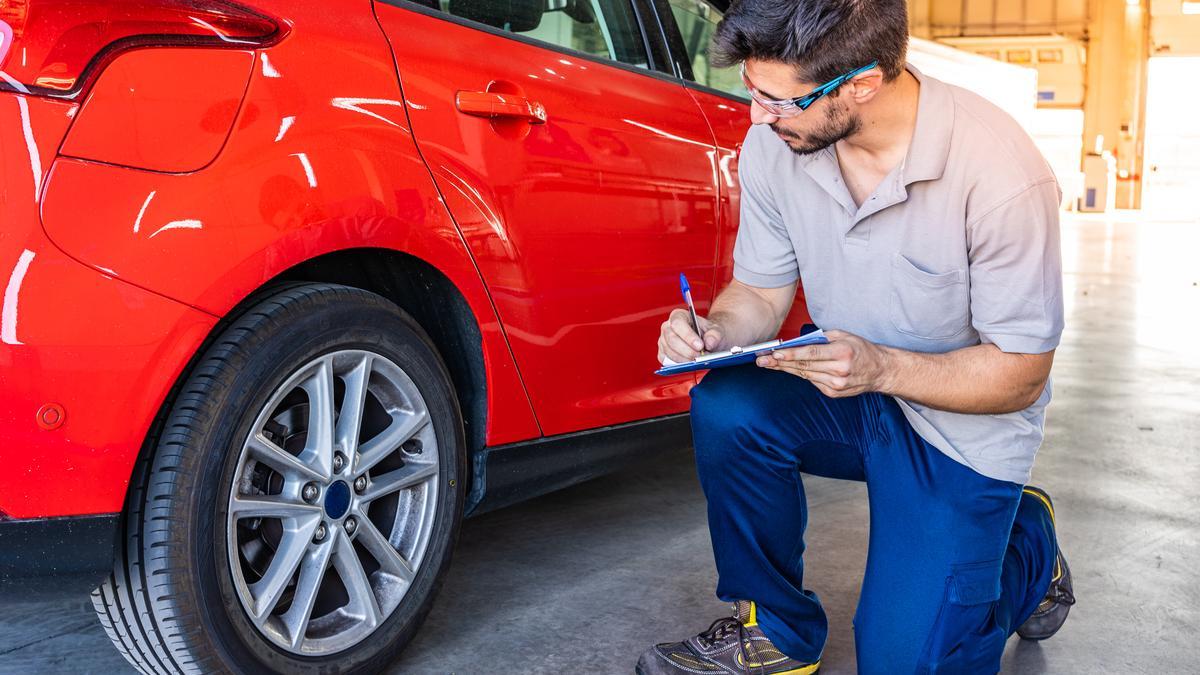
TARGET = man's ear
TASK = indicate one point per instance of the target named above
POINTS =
(864, 86)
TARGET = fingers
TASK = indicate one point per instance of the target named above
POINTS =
(674, 347)
(677, 339)
(833, 368)
(678, 349)
(807, 353)
(712, 338)
(828, 366)
(680, 323)
(834, 351)
(833, 386)
(837, 368)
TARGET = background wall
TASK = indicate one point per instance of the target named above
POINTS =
(1098, 81)
(954, 18)
(1171, 31)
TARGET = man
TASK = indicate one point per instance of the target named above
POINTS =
(923, 224)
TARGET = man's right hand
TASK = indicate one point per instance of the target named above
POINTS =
(679, 342)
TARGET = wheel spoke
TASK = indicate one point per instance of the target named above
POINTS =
(349, 421)
(279, 459)
(390, 560)
(270, 506)
(391, 438)
(267, 591)
(308, 582)
(354, 578)
(398, 479)
(318, 447)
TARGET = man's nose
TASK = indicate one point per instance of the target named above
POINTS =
(759, 115)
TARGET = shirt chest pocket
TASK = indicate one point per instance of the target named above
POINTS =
(930, 305)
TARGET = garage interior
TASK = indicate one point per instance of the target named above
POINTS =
(585, 579)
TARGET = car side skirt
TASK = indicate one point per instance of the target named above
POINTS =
(507, 474)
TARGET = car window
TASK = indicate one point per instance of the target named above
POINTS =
(697, 20)
(603, 28)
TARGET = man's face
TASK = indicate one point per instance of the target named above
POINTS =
(826, 121)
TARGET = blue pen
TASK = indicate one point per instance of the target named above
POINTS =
(687, 297)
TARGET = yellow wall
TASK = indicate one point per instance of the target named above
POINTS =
(1060, 75)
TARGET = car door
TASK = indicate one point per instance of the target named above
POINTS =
(688, 26)
(583, 183)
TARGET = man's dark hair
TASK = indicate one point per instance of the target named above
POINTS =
(822, 38)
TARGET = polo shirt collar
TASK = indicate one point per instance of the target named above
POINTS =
(930, 145)
(928, 151)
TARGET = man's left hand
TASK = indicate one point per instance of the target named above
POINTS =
(847, 366)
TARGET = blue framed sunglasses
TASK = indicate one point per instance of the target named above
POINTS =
(794, 106)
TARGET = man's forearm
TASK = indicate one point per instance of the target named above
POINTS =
(980, 379)
(975, 380)
(743, 316)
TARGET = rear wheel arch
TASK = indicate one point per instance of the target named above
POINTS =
(431, 298)
(409, 282)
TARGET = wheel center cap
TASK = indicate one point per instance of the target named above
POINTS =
(337, 500)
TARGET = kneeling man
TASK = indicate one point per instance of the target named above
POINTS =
(923, 224)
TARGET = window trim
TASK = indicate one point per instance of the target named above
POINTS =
(656, 45)
(653, 70)
(669, 32)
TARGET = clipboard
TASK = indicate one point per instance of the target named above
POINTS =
(739, 355)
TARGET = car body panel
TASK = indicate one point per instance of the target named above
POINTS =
(730, 120)
(105, 352)
(565, 240)
(580, 225)
(285, 190)
(174, 128)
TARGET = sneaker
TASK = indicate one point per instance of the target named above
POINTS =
(1052, 612)
(731, 645)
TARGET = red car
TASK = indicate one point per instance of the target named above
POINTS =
(289, 288)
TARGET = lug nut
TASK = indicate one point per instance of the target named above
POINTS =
(320, 534)
(351, 525)
(338, 462)
(310, 492)
(360, 483)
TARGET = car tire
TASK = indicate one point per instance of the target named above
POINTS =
(238, 553)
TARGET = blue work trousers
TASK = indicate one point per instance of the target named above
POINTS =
(956, 560)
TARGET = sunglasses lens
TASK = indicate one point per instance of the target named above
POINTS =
(768, 106)
(789, 110)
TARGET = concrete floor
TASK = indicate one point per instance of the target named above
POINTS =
(584, 580)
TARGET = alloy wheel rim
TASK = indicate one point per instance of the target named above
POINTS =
(332, 505)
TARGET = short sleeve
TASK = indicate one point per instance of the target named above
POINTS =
(1016, 271)
(763, 255)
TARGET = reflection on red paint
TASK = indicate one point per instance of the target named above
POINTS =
(141, 212)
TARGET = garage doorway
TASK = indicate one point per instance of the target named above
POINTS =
(1172, 162)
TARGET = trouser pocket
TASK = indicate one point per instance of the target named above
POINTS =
(965, 637)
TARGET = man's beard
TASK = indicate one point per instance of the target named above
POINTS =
(837, 124)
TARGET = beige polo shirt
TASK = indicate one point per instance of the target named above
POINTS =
(959, 245)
